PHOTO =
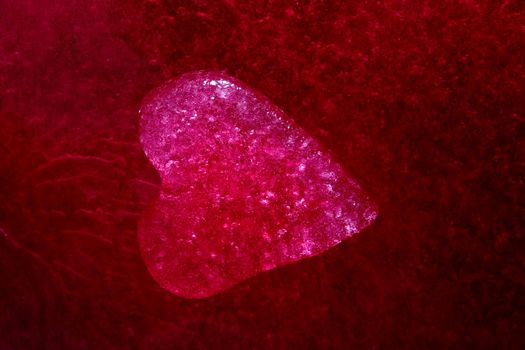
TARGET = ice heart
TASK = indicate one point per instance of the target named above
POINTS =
(244, 189)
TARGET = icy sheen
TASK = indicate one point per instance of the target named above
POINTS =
(244, 189)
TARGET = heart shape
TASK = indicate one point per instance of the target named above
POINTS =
(244, 189)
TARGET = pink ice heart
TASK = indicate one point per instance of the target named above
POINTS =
(244, 188)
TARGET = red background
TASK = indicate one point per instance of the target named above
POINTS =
(422, 101)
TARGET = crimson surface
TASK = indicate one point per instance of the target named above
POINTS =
(421, 101)
(244, 189)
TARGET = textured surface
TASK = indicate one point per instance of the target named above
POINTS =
(244, 189)
(421, 101)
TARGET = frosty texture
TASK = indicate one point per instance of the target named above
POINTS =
(244, 189)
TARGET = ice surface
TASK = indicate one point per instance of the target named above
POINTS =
(244, 189)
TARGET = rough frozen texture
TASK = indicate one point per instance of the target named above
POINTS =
(422, 101)
(244, 189)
